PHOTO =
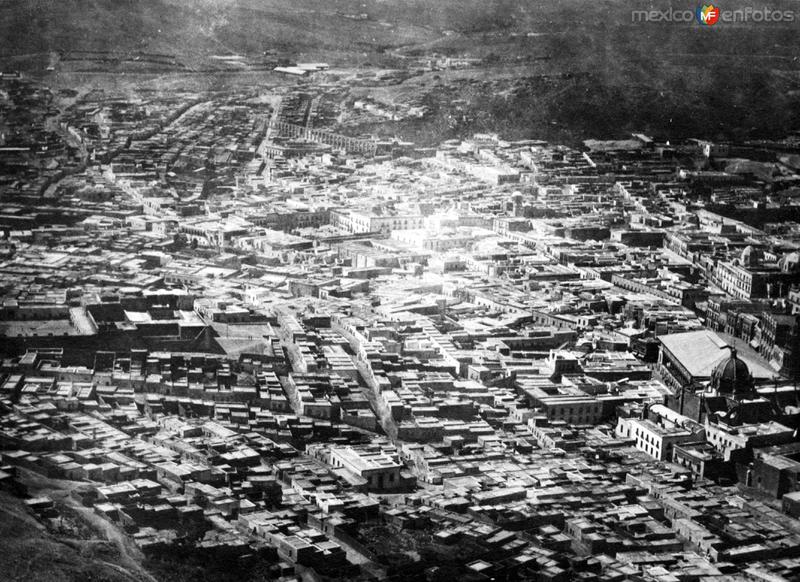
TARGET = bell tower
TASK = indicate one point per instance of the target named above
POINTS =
(791, 353)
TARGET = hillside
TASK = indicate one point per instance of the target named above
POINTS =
(32, 553)
(735, 80)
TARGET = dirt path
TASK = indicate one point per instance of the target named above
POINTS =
(59, 490)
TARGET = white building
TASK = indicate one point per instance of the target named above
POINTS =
(379, 468)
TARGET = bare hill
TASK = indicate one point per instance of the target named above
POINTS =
(607, 73)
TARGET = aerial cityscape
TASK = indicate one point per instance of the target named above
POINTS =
(412, 292)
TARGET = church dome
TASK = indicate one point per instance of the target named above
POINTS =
(751, 256)
(732, 376)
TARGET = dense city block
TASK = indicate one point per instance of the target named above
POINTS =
(243, 338)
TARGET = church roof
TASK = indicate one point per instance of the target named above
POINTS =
(700, 352)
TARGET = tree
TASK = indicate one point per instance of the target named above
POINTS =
(179, 240)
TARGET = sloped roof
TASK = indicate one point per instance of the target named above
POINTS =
(701, 351)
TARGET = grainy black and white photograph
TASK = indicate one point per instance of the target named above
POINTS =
(399, 291)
